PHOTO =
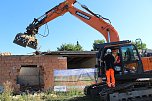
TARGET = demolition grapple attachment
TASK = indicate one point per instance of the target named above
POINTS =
(24, 40)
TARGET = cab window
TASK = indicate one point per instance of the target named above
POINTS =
(129, 53)
(129, 57)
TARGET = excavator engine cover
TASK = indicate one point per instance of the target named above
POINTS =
(25, 40)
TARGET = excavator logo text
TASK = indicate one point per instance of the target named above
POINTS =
(83, 15)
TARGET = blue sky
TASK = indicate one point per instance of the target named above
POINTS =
(131, 18)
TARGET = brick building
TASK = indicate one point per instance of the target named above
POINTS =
(36, 71)
(21, 68)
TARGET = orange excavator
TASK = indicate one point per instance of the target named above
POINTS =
(133, 74)
(95, 21)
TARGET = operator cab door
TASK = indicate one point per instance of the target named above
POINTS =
(131, 61)
(131, 65)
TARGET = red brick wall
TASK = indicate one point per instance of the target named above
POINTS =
(10, 66)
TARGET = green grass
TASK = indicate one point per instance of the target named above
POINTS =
(73, 95)
(49, 96)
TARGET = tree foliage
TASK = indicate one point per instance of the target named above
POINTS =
(98, 42)
(70, 47)
(78, 47)
(139, 45)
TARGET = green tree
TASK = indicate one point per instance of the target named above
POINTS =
(98, 42)
(70, 47)
(139, 45)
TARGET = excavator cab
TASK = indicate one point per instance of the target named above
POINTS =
(128, 64)
(131, 79)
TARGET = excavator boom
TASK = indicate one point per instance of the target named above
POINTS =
(28, 38)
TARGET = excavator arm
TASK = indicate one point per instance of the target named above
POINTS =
(98, 23)
(28, 38)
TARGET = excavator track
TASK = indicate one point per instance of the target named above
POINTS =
(133, 91)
